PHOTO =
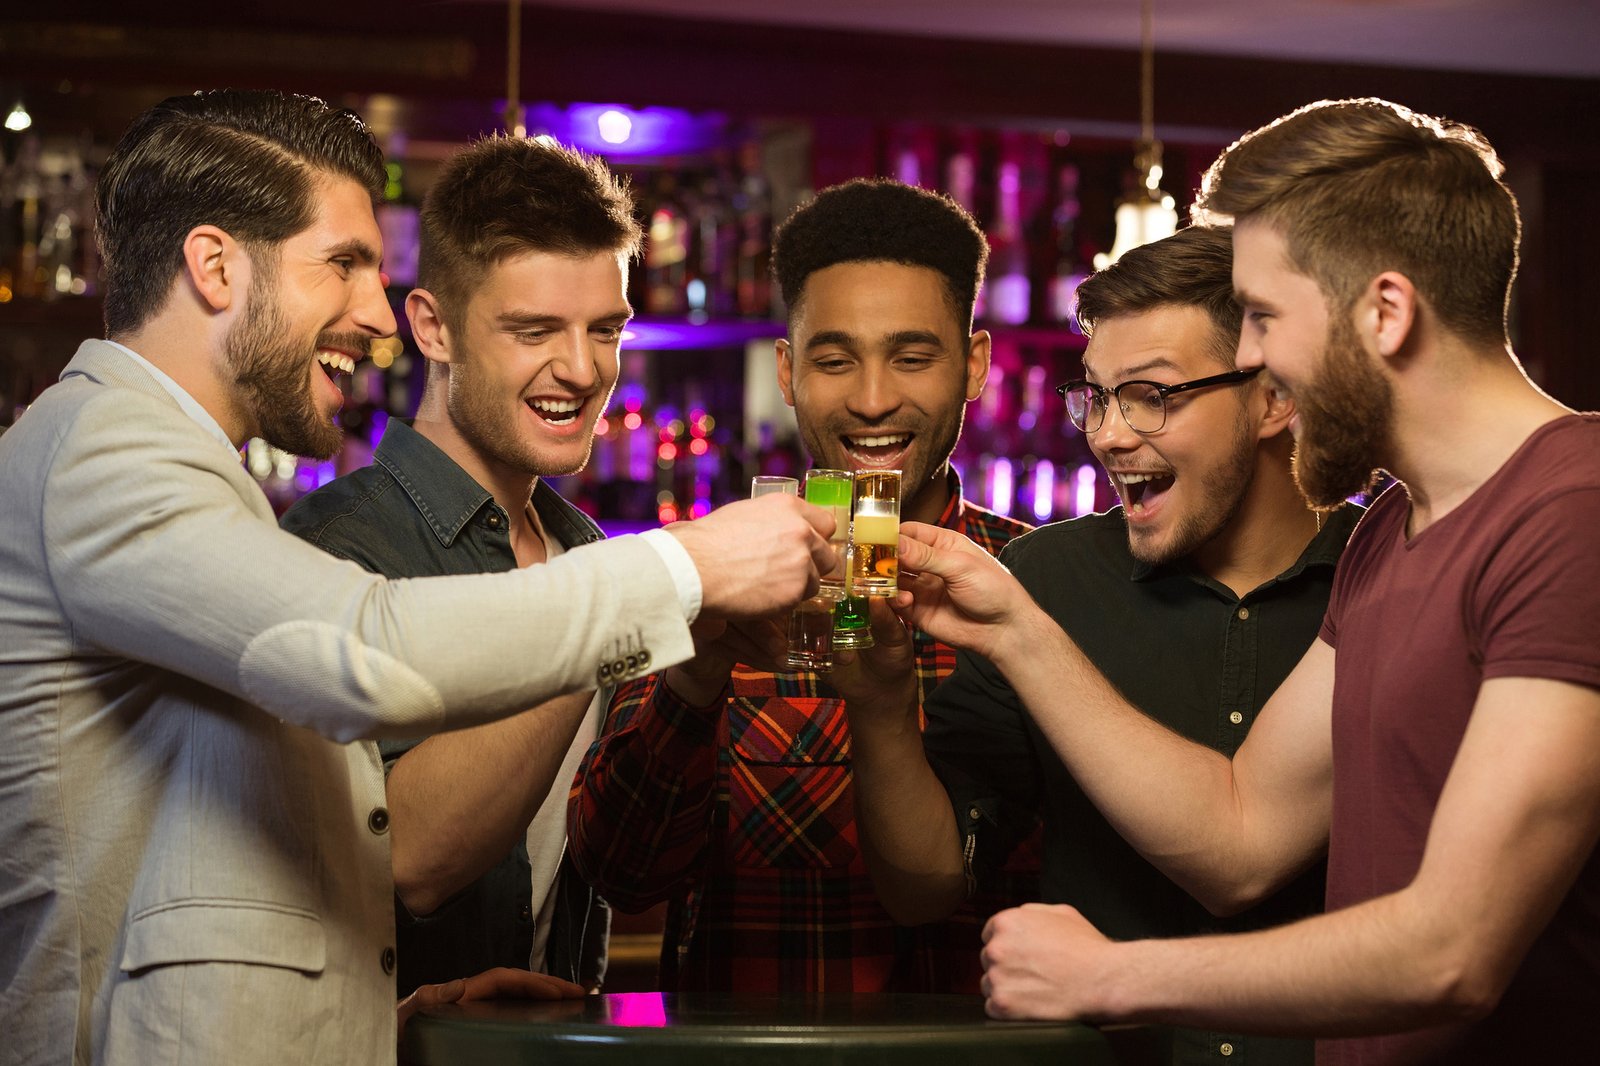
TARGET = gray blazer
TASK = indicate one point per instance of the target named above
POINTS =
(194, 866)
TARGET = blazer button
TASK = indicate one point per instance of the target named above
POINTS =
(644, 658)
(526, 913)
(378, 821)
(388, 961)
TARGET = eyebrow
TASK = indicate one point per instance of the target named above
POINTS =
(897, 339)
(1132, 372)
(357, 249)
(533, 318)
(1245, 299)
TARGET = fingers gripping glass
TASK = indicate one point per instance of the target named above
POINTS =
(1143, 403)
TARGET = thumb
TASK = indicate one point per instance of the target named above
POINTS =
(922, 557)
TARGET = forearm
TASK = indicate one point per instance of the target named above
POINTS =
(639, 818)
(1388, 965)
(905, 825)
(458, 802)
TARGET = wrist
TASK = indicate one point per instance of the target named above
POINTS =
(1027, 636)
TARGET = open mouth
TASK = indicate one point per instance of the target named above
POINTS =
(337, 365)
(1142, 491)
(877, 449)
(556, 412)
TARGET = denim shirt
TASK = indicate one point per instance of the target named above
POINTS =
(415, 513)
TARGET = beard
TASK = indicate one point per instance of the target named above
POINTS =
(935, 438)
(273, 374)
(1222, 490)
(1346, 413)
(479, 411)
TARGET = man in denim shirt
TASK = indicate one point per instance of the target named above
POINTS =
(519, 310)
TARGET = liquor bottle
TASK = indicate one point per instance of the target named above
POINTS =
(960, 184)
(666, 249)
(1008, 254)
(1070, 267)
(754, 208)
(399, 220)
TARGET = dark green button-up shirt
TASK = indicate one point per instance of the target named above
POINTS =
(1186, 650)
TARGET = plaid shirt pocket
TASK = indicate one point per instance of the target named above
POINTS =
(789, 791)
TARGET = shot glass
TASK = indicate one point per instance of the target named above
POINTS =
(852, 628)
(766, 484)
(811, 623)
(875, 534)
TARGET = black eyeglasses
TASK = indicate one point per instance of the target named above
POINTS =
(1143, 403)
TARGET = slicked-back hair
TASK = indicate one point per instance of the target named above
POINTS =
(504, 196)
(1191, 268)
(1357, 187)
(247, 162)
(879, 220)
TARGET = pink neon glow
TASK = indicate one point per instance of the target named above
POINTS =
(1083, 493)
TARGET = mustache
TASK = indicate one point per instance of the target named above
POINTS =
(355, 343)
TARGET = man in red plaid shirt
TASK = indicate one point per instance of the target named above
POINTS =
(724, 787)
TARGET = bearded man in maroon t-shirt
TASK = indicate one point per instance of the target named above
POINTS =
(1441, 740)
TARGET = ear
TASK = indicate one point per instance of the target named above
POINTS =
(428, 327)
(979, 350)
(216, 265)
(1386, 313)
(1280, 407)
(785, 371)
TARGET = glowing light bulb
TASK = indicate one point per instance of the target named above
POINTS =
(615, 127)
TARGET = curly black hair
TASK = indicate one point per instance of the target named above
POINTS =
(879, 220)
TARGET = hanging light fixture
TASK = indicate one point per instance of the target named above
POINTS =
(1149, 213)
(516, 123)
(18, 119)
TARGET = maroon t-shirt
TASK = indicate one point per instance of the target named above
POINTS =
(1505, 585)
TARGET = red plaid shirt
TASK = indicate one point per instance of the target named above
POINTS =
(744, 819)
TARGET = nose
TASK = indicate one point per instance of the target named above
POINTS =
(875, 396)
(371, 312)
(1248, 356)
(575, 364)
(1114, 434)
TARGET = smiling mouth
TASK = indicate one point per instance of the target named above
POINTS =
(338, 365)
(1140, 491)
(877, 449)
(556, 412)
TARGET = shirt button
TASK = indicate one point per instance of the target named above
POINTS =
(387, 959)
(526, 913)
(1244, 613)
(493, 521)
(1236, 717)
(1226, 1049)
(378, 821)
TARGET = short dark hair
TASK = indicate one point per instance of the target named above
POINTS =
(879, 220)
(1358, 187)
(244, 161)
(1191, 268)
(503, 196)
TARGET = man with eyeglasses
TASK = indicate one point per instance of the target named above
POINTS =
(1195, 597)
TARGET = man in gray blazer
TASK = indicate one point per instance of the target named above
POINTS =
(194, 860)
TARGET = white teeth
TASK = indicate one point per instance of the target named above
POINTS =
(884, 441)
(337, 360)
(557, 407)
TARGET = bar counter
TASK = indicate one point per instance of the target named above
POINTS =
(664, 1029)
